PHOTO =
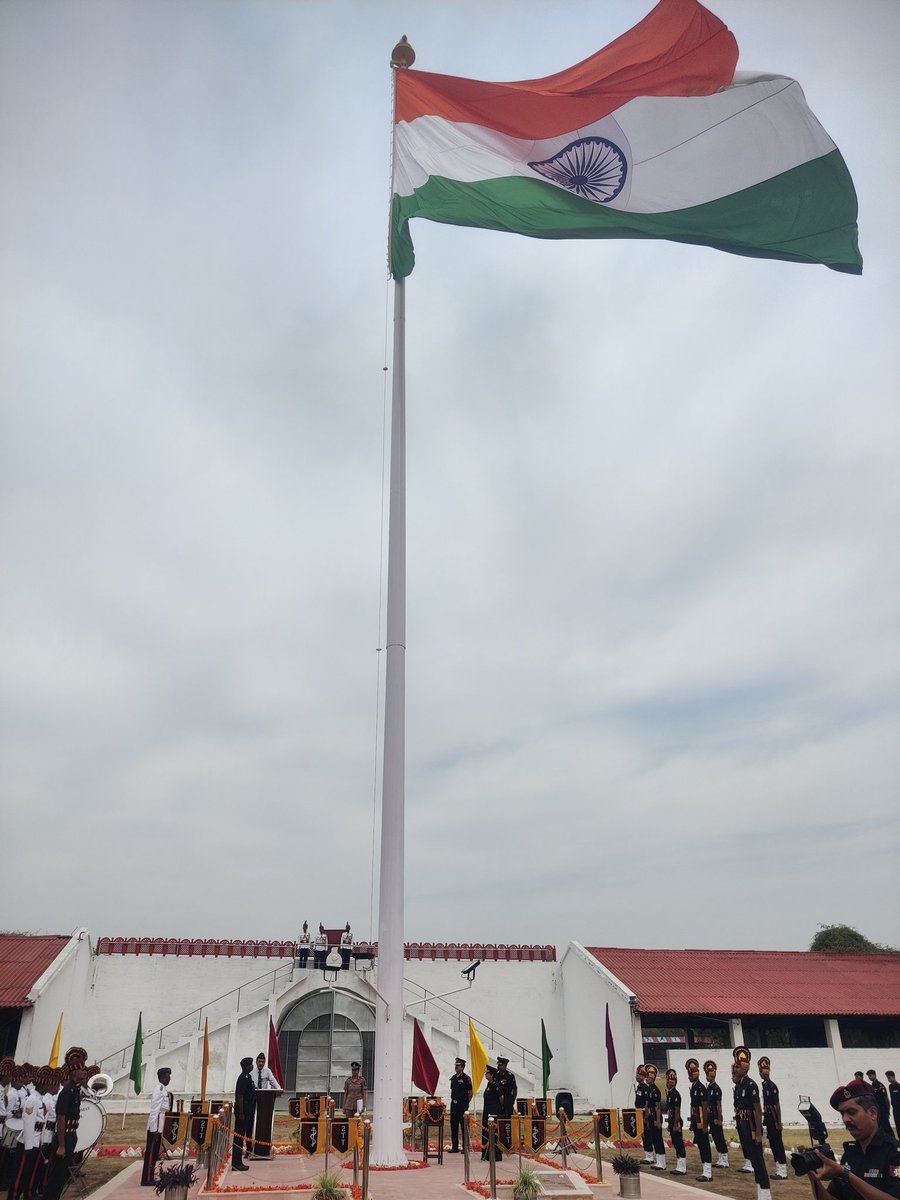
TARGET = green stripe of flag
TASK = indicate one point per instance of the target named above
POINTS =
(807, 214)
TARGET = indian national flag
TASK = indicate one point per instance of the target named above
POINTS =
(654, 136)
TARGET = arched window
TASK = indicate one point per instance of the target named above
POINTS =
(320, 1036)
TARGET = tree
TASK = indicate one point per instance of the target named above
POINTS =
(844, 939)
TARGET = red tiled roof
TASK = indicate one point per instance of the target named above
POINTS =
(23, 960)
(757, 982)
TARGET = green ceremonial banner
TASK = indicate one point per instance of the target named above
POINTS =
(546, 1055)
(136, 1074)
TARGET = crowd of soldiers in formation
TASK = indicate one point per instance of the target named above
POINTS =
(756, 1117)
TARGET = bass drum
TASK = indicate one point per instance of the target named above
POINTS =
(91, 1124)
(9, 1135)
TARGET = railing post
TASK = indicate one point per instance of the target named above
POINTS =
(465, 1142)
(492, 1155)
(599, 1160)
(367, 1139)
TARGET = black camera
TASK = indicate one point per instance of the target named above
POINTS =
(804, 1161)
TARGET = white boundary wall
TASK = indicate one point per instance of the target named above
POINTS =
(101, 995)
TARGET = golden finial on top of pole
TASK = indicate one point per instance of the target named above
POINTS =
(403, 55)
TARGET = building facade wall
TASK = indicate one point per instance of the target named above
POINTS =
(587, 989)
(814, 1073)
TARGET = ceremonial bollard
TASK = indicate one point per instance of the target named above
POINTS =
(597, 1145)
(465, 1142)
(492, 1156)
(563, 1138)
(367, 1141)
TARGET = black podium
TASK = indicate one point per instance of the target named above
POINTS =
(265, 1116)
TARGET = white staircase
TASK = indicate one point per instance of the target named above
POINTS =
(239, 1026)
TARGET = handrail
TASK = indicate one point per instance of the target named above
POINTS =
(429, 997)
(199, 1011)
(459, 1013)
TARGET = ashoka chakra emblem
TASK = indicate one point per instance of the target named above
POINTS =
(591, 167)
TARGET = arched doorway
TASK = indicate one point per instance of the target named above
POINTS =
(320, 1036)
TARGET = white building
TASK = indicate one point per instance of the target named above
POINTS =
(819, 1017)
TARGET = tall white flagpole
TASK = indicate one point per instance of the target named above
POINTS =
(387, 1142)
(387, 1145)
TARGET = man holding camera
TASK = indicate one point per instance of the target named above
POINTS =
(870, 1164)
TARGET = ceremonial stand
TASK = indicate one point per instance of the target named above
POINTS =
(265, 1116)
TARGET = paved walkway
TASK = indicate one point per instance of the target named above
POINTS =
(432, 1183)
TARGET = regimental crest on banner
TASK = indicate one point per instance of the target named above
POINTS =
(591, 167)
(312, 1136)
(632, 1122)
(174, 1128)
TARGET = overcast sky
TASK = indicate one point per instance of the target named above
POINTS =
(652, 667)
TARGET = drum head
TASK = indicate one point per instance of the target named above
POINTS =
(91, 1123)
(9, 1134)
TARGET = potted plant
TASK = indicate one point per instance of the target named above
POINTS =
(526, 1186)
(328, 1187)
(173, 1182)
(628, 1169)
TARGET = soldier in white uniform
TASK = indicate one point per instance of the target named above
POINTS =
(27, 1151)
(160, 1104)
(304, 944)
(346, 947)
(321, 948)
(4, 1135)
(50, 1083)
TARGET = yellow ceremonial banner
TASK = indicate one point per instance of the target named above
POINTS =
(54, 1053)
(479, 1057)
(204, 1068)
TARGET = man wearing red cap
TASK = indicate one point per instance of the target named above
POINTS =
(870, 1165)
